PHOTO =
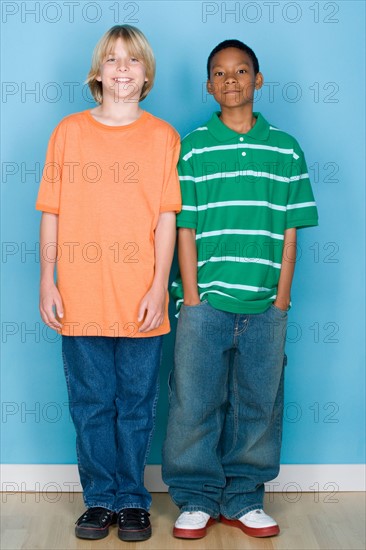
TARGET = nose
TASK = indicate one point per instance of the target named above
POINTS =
(230, 78)
(122, 65)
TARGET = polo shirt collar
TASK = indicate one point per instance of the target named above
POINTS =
(221, 132)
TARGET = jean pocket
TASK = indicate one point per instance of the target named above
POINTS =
(278, 310)
(196, 305)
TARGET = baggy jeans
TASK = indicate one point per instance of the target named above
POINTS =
(226, 408)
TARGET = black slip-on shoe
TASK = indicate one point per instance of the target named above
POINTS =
(94, 523)
(133, 524)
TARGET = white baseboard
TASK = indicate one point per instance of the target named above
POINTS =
(293, 478)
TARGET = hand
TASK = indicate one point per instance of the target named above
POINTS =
(153, 305)
(191, 300)
(282, 304)
(50, 298)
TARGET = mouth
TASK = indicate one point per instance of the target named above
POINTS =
(123, 80)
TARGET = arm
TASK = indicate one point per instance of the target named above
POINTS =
(153, 303)
(287, 270)
(49, 294)
(187, 256)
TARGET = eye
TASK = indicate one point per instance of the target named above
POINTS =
(111, 59)
(134, 60)
(218, 73)
(242, 71)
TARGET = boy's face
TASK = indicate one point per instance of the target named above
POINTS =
(232, 80)
(121, 74)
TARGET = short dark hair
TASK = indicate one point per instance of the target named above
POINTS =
(232, 43)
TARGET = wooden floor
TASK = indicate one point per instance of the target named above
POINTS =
(308, 521)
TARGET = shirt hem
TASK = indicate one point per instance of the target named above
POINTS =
(188, 225)
(45, 208)
(240, 308)
(298, 224)
(137, 335)
(171, 208)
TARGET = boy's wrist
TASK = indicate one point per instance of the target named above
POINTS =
(157, 282)
(282, 303)
(190, 299)
(47, 279)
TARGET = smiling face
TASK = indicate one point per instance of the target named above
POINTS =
(232, 80)
(122, 75)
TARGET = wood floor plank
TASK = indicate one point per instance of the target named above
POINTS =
(314, 521)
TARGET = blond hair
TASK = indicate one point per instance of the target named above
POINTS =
(136, 44)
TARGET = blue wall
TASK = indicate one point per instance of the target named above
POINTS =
(312, 58)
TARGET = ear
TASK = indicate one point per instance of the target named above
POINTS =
(99, 78)
(210, 87)
(259, 80)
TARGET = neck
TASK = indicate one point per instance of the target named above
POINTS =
(117, 114)
(239, 120)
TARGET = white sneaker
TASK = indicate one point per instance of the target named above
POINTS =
(192, 525)
(255, 524)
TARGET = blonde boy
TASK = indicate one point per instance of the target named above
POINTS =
(109, 196)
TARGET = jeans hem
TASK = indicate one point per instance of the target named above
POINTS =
(99, 505)
(198, 508)
(132, 505)
(242, 511)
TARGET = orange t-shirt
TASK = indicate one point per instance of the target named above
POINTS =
(108, 185)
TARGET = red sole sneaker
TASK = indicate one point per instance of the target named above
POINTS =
(192, 533)
(252, 531)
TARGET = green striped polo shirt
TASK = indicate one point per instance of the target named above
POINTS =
(240, 192)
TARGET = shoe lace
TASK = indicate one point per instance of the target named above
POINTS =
(134, 516)
(95, 514)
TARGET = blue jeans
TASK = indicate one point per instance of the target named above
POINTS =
(113, 390)
(226, 407)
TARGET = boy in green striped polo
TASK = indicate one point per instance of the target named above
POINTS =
(245, 191)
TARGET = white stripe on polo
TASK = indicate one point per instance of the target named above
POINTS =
(237, 286)
(239, 146)
(224, 204)
(221, 175)
(300, 205)
(239, 232)
(239, 260)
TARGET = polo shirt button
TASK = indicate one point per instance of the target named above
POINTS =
(241, 139)
(243, 154)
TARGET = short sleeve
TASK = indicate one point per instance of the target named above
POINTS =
(188, 215)
(48, 199)
(301, 206)
(171, 198)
